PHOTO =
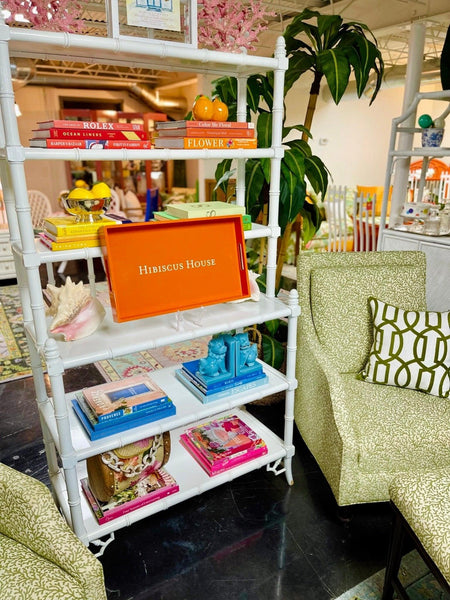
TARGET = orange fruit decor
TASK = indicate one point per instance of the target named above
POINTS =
(203, 109)
(220, 110)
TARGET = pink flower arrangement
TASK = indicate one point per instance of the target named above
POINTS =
(231, 26)
(50, 15)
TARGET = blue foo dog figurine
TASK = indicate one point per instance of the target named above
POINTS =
(215, 363)
(229, 356)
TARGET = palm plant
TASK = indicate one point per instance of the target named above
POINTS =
(330, 48)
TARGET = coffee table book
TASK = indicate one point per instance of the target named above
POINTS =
(224, 393)
(226, 463)
(116, 398)
(99, 433)
(155, 486)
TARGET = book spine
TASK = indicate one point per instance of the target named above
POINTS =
(77, 228)
(206, 132)
(207, 143)
(132, 505)
(137, 410)
(99, 144)
(219, 395)
(226, 464)
(221, 385)
(185, 213)
(63, 239)
(68, 245)
(119, 416)
(90, 125)
(83, 134)
(204, 124)
(95, 434)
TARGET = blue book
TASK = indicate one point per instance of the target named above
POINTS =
(116, 419)
(95, 434)
(244, 387)
(232, 383)
(190, 369)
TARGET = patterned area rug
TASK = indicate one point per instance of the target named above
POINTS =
(14, 356)
(15, 359)
(420, 584)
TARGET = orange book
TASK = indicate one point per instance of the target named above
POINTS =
(206, 143)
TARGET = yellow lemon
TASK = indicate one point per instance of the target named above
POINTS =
(80, 194)
(101, 190)
(80, 183)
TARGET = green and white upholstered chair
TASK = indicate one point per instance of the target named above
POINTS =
(361, 434)
(40, 556)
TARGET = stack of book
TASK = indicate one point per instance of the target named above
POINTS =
(89, 134)
(202, 135)
(195, 210)
(110, 408)
(64, 233)
(222, 444)
(155, 486)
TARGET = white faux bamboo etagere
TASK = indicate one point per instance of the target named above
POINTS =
(67, 446)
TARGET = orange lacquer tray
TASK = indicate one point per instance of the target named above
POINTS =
(162, 267)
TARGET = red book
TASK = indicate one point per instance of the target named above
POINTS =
(209, 124)
(91, 144)
(91, 134)
(89, 125)
(206, 132)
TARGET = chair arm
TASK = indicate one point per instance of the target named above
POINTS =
(29, 515)
(335, 389)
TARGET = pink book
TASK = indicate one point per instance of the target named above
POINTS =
(222, 437)
(155, 486)
(226, 463)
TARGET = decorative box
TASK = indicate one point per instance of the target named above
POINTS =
(162, 267)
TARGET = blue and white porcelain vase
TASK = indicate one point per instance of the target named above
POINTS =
(432, 137)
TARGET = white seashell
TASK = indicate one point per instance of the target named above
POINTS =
(255, 293)
(76, 313)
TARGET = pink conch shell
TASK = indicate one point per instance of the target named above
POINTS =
(76, 313)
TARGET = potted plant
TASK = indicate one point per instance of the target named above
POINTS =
(330, 49)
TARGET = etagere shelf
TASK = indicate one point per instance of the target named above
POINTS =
(405, 144)
(67, 446)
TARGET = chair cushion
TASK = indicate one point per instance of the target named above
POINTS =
(424, 501)
(25, 575)
(395, 429)
(345, 328)
(410, 349)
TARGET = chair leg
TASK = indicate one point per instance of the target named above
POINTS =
(391, 581)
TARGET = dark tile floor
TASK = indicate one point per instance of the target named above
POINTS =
(254, 538)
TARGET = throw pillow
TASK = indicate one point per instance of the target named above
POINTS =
(410, 349)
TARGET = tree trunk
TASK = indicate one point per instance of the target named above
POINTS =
(282, 253)
(313, 95)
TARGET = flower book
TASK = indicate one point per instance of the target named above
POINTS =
(89, 125)
(203, 124)
(206, 132)
(205, 143)
(91, 144)
(128, 395)
(97, 434)
(155, 486)
(225, 393)
(121, 416)
(192, 210)
(92, 134)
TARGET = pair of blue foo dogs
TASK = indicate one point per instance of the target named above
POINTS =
(229, 356)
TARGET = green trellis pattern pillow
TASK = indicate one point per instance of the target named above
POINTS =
(410, 349)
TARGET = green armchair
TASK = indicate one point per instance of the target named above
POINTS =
(40, 556)
(361, 434)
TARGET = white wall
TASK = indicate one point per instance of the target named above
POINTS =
(352, 138)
